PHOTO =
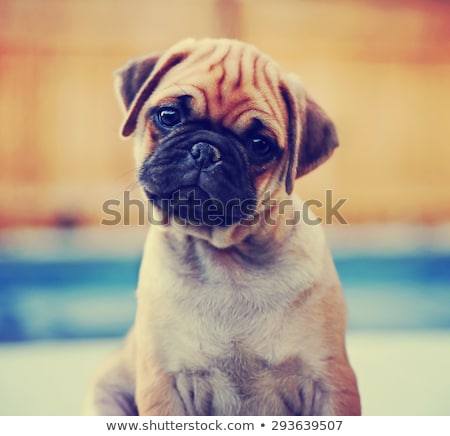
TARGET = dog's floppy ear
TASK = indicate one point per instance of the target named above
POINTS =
(311, 134)
(131, 76)
(137, 79)
(318, 138)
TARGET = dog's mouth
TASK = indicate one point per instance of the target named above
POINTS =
(194, 206)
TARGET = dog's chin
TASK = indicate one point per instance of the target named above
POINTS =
(193, 212)
(192, 206)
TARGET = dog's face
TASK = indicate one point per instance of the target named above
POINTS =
(218, 127)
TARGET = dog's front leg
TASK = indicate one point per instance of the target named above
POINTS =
(293, 395)
(156, 393)
(187, 392)
(292, 388)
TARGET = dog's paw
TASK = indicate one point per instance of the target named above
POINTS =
(195, 391)
(304, 397)
(291, 396)
(204, 392)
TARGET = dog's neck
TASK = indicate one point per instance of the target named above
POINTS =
(253, 250)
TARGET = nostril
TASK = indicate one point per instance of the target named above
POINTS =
(205, 154)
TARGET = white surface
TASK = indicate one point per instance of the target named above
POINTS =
(399, 374)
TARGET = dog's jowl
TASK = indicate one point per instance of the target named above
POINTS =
(240, 310)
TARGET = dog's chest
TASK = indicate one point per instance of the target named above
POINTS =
(197, 307)
(197, 302)
(211, 322)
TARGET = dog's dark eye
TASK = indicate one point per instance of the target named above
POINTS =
(169, 117)
(261, 146)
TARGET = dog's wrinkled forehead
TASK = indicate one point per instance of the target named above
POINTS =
(230, 82)
(235, 85)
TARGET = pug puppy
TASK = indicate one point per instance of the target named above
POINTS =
(240, 310)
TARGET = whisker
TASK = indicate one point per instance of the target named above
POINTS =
(127, 173)
(133, 186)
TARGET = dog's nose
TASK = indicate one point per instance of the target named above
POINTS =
(205, 154)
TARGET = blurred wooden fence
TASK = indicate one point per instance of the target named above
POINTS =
(381, 69)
